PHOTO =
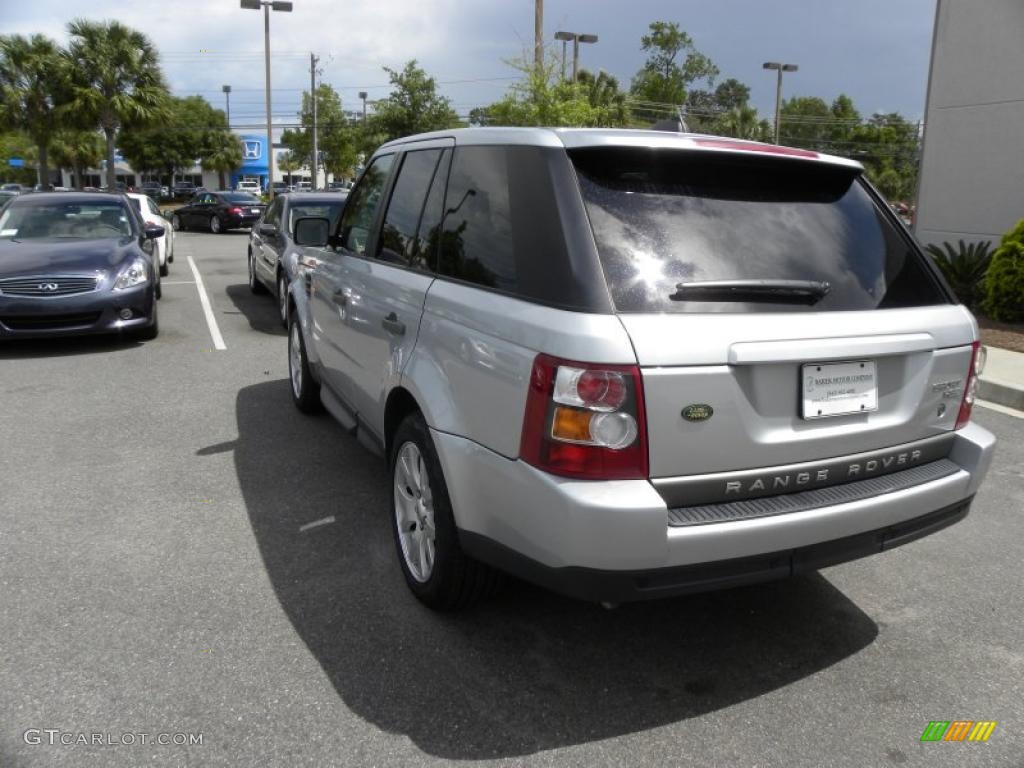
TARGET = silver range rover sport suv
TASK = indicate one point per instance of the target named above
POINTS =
(630, 364)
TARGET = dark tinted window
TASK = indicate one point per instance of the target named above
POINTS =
(665, 217)
(398, 235)
(502, 227)
(423, 253)
(361, 205)
(241, 197)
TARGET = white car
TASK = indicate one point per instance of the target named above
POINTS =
(249, 186)
(151, 215)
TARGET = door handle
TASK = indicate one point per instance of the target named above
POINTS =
(339, 298)
(393, 325)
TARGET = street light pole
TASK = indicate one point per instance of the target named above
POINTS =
(779, 68)
(227, 97)
(312, 95)
(362, 95)
(576, 40)
(277, 5)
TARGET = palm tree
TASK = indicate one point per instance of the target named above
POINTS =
(115, 80)
(289, 163)
(31, 72)
(741, 123)
(77, 150)
(224, 154)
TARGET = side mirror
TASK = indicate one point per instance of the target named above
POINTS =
(267, 229)
(313, 231)
(154, 231)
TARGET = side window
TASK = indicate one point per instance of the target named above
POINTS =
(476, 243)
(402, 219)
(423, 254)
(273, 215)
(152, 206)
(361, 205)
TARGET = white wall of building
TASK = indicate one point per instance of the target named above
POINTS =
(972, 167)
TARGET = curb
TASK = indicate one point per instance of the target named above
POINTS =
(1001, 392)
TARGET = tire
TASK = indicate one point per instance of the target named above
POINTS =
(164, 269)
(215, 226)
(176, 224)
(282, 298)
(254, 282)
(305, 389)
(422, 523)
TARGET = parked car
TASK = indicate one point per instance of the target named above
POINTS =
(219, 211)
(273, 256)
(252, 187)
(183, 190)
(164, 245)
(304, 186)
(338, 186)
(15, 188)
(75, 263)
(153, 189)
(627, 364)
(279, 187)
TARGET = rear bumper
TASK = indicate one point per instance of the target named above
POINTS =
(627, 586)
(238, 222)
(606, 533)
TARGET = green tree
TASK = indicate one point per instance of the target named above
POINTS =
(706, 110)
(115, 80)
(289, 163)
(337, 137)
(806, 121)
(672, 68)
(222, 153)
(413, 106)
(78, 150)
(17, 144)
(31, 78)
(1004, 281)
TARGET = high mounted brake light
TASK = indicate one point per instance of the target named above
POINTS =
(751, 146)
(585, 420)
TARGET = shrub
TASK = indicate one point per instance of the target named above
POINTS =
(964, 268)
(1004, 281)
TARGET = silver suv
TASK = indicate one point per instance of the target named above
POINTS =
(629, 364)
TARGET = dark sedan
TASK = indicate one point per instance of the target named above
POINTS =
(219, 211)
(76, 263)
(273, 256)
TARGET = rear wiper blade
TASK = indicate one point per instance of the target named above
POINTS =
(764, 291)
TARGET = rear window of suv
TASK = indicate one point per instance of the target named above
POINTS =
(664, 217)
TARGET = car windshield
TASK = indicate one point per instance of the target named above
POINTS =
(330, 211)
(240, 197)
(82, 221)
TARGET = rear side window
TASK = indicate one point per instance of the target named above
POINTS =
(502, 228)
(361, 207)
(664, 217)
(402, 220)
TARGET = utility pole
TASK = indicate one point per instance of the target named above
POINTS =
(362, 95)
(780, 68)
(538, 35)
(312, 96)
(227, 96)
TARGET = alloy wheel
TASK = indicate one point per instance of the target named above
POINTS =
(414, 512)
(295, 360)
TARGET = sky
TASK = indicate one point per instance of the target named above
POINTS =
(876, 51)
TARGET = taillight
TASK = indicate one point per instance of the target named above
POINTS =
(235, 211)
(973, 372)
(585, 420)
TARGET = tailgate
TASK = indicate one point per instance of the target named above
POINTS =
(750, 371)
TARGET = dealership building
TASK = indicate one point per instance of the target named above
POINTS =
(972, 165)
(253, 168)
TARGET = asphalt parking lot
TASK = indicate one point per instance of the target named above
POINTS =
(158, 575)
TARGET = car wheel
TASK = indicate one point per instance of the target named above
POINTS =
(254, 282)
(215, 225)
(305, 389)
(176, 224)
(282, 298)
(436, 569)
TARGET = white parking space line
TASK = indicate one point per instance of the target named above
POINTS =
(177, 282)
(1000, 408)
(218, 340)
(316, 523)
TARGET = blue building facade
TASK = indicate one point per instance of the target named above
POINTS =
(254, 160)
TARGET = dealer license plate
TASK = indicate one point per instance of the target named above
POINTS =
(838, 389)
